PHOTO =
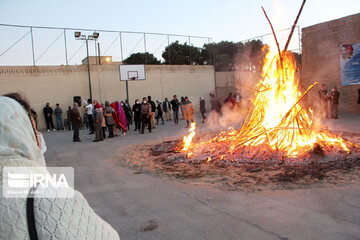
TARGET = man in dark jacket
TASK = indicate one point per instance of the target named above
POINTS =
(58, 116)
(202, 109)
(334, 103)
(167, 109)
(215, 107)
(175, 107)
(153, 108)
(48, 111)
(145, 115)
(68, 118)
(137, 110)
(76, 122)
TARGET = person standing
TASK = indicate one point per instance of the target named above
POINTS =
(334, 103)
(167, 109)
(68, 117)
(75, 121)
(48, 111)
(153, 109)
(90, 111)
(145, 115)
(215, 107)
(323, 97)
(237, 99)
(182, 99)
(175, 107)
(202, 109)
(109, 111)
(188, 109)
(98, 114)
(58, 116)
(229, 101)
(128, 113)
(159, 113)
(137, 109)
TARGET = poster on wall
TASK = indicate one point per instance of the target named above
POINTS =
(350, 64)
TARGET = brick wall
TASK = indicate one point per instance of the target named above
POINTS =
(321, 57)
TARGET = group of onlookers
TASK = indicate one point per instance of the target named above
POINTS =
(329, 99)
(119, 116)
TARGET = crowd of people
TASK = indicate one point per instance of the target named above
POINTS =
(108, 120)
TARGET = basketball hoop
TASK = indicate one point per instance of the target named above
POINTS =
(133, 78)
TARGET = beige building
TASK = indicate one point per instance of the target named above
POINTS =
(59, 84)
(321, 58)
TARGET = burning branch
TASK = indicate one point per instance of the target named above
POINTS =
(293, 27)
(276, 41)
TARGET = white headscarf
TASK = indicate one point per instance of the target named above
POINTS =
(18, 146)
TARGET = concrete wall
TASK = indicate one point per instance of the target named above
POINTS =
(321, 57)
(227, 82)
(58, 84)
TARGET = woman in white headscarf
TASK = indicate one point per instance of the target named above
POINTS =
(50, 218)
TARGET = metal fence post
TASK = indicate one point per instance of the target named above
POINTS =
(145, 48)
(66, 57)
(168, 38)
(190, 62)
(121, 49)
(32, 45)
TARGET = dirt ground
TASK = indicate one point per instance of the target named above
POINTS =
(158, 158)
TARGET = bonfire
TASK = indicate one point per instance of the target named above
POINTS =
(278, 125)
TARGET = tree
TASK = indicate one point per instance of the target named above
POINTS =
(221, 55)
(177, 53)
(250, 56)
(139, 58)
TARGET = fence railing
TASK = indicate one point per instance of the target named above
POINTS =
(36, 45)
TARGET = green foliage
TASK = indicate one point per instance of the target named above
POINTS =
(224, 55)
(139, 58)
(177, 53)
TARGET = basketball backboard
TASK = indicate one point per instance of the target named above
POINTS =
(132, 72)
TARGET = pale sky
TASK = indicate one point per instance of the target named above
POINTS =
(229, 20)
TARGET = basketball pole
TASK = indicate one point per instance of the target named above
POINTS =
(127, 91)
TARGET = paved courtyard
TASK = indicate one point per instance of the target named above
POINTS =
(146, 206)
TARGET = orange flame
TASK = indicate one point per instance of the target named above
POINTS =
(187, 139)
(277, 117)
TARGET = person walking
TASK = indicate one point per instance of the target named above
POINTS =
(48, 111)
(109, 111)
(145, 115)
(58, 116)
(175, 107)
(137, 110)
(90, 111)
(215, 107)
(334, 103)
(153, 109)
(159, 115)
(75, 119)
(167, 109)
(202, 109)
(188, 109)
(98, 113)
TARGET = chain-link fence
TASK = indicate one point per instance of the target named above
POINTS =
(33, 45)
